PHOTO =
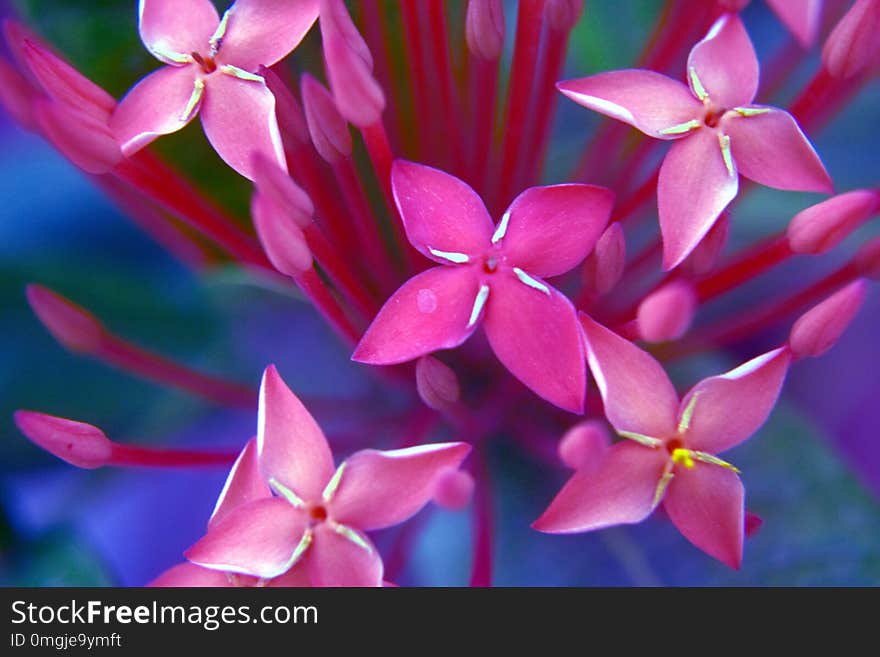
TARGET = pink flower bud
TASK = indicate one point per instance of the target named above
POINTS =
(82, 138)
(854, 44)
(583, 444)
(282, 240)
(823, 226)
(291, 120)
(604, 266)
(703, 258)
(78, 443)
(732, 5)
(562, 15)
(666, 313)
(436, 383)
(753, 523)
(73, 326)
(454, 489)
(868, 259)
(484, 28)
(816, 331)
(285, 196)
(16, 95)
(328, 129)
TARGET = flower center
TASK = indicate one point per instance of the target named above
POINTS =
(713, 117)
(318, 513)
(207, 63)
(490, 266)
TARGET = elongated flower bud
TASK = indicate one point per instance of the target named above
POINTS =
(78, 443)
(816, 331)
(666, 313)
(282, 240)
(286, 197)
(73, 326)
(562, 15)
(288, 111)
(484, 28)
(583, 444)
(823, 226)
(868, 259)
(328, 129)
(83, 138)
(704, 257)
(436, 383)
(604, 266)
(854, 44)
(454, 489)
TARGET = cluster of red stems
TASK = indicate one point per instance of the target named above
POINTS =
(389, 235)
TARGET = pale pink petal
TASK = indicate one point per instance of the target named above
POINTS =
(259, 538)
(239, 120)
(770, 149)
(170, 28)
(535, 334)
(725, 64)
(731, 407)
(439, 211)
(265, 31)
(695, 185)
(620, 490)
(291, 447)
(157, 105)
(706, 503)
(335, 559)
(190, 575)
(244, 484)
(647, 100)
(801, 17)
(380, 489)
(550, 230)
(430, 311)
(80, 137)
(638, 396)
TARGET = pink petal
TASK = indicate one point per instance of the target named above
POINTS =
(732, 406)
(818, 329)
(621, 490)
(706, 503)
(296, 577)
(770, 149)
(823, 226)
(648, 101)
(694, 187)
(552, 229)
(284, 194)
(292, 448)
(265, 31)
(726, 64)
(171, 27)
(189, 575)
(801, 17)
(155, 106)
(238, 117)
(430, 311)
(854, 44)
(282, 239)
(244, 484)
(440, 211)
(336, 560)
(535, 334)
(380, 489)
(79, 136)
(604, 266)
(259, 538)
(637, 394)
(328, 130)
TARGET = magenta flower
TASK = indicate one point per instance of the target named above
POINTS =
(212, 64)
(718, 132)
(315, 520)
(494, 273)
(672, 456)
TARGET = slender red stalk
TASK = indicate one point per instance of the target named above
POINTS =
(419, 85)
(483, 93)
(634, 202)
(129, 455)
(752, 263)
(323, 300)
(434, 22)
(481, 568)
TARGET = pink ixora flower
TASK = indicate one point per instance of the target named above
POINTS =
(718, 133)
(211, 70)
(671, 454)
(315, 520)
(493, 273)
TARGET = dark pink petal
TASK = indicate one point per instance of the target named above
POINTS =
(801, 17)
(725, 64)
(646, 100)
(265, 31)
(335, 559)
(620, 490)
(550, 230)
(283, 193)
(190, 575)
(604, 266)
(584, 445)
(78, 443)
(327, 128)
(83, 139)
(867, 259)
(244, 484)
(638, 396)
(380, 489)
(706, 503)
(770, 149)
(259, 538)
(155, 106)
(816, 331)
(535, 334)
(239, 120)
(695, 185)
(292, 448)
(170, 28)
(823, 226)
(731, 407)
(430, 311)
(440, 211)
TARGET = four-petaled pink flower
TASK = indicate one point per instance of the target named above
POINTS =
(212, 71)
(671, 454)
(718, 131)
(496, 271)
(316, 518)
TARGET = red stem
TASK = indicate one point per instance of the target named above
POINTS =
(481, 569)
(483, 91)
(754, 262)
(129, 455)
(325, 303)
(438, 61)
(420, 86)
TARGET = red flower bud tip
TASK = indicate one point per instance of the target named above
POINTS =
(282, 240)
(484, 28)
(604, 267)
(702, 259)
(666, 313)
(328, 129)
(816, 331)
(16, 95)
(454, 489)
(583, 444)
(868, 259)
(291, 120)
(822, 226)
(78, 443)
(285, 196)
(753, 523)
(436, 383)
(562, 15)
(73, 326)
(854, 44)
(83, 138)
